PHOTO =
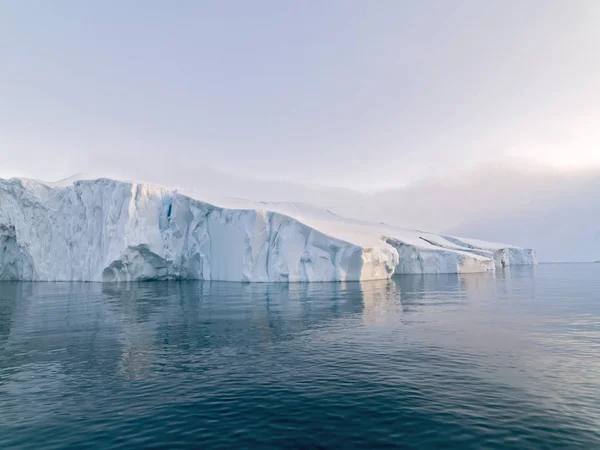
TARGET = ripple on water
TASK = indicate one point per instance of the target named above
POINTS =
(473, 361)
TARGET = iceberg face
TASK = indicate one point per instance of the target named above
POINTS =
(416, 260)
(106, 230)
(503, 255)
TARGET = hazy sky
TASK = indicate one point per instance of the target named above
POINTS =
(363, 94)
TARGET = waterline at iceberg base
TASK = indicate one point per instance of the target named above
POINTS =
(108, 230)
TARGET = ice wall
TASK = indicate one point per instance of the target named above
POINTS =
(106, 230)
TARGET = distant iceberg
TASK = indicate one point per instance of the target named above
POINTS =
(107, 230)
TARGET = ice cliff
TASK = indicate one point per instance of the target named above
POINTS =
(106, 230)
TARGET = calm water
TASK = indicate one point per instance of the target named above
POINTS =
(417, 362)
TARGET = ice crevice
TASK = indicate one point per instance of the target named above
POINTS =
(107, 230)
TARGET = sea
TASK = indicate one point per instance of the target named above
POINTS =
(505, 360)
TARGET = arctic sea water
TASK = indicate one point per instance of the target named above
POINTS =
(446, 361)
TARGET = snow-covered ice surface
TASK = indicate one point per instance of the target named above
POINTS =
(107, 230)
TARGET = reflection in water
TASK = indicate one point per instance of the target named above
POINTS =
(11, 295)
(467, 360)
(134, 321)
(382, 301)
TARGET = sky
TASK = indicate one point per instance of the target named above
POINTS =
(366, 95)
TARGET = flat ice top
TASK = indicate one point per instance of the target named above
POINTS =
(362, 233)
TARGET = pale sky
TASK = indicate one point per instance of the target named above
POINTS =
(362, 94)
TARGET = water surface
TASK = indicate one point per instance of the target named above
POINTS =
(511, 361)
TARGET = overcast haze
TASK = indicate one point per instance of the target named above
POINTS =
(360, 94)
(477, 118)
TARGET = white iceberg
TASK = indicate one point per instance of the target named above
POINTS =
(107, 230)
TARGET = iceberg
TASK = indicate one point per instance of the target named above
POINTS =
(107, 230)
